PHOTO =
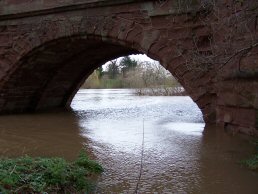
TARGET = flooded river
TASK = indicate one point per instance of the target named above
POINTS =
(179, 153)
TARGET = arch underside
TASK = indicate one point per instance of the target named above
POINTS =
(49, 76)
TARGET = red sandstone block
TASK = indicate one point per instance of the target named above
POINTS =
(197, 93)
(179, 32)
(128, 8)
(244, 117)
(249, 62)
(161, 22)
(234, 129)
(227, 99)
(4, 65)
(22, 45)
(175, 62)
(201, 30)
(204, 100)
(114, 30)
(189, 77)
(159, 47)
(14, 2)
(125, 29)
(5, 40)
(181, 20)
(201, 78)
(149, 37)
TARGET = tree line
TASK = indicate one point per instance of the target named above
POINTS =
(147, 78)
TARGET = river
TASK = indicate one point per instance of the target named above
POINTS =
(179, 153)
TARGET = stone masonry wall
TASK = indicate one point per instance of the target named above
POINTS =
(48, 50)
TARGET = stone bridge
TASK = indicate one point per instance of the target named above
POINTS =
(49, 47)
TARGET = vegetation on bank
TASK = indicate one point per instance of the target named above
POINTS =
(252, 162)
(47, 175)
(147, 78)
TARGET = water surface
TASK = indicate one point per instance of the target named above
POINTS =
(179, 156)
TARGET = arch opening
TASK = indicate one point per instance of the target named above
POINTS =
(139, 73)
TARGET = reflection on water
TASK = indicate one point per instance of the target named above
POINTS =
(178, 156)
(48, 134)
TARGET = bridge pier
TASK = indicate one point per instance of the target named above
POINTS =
(237, 93)
(237, 106)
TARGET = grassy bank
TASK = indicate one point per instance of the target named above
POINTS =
(51, 175)
(252, 162)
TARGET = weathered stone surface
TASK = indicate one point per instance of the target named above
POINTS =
(49, 47)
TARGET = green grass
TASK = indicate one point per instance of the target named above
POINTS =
(252, 162)
(44, 175)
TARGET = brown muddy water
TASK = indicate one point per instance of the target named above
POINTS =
(181, 155)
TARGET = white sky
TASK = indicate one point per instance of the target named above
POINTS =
(139, 57)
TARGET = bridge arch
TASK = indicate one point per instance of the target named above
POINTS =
(54, 58)
(211, 48)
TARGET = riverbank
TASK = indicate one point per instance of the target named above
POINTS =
(160, 91)
(48, 175)
(252, 162)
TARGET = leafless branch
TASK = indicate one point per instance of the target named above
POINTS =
(246, 49)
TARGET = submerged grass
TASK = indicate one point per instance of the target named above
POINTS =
(47, 175)
(252, 162)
